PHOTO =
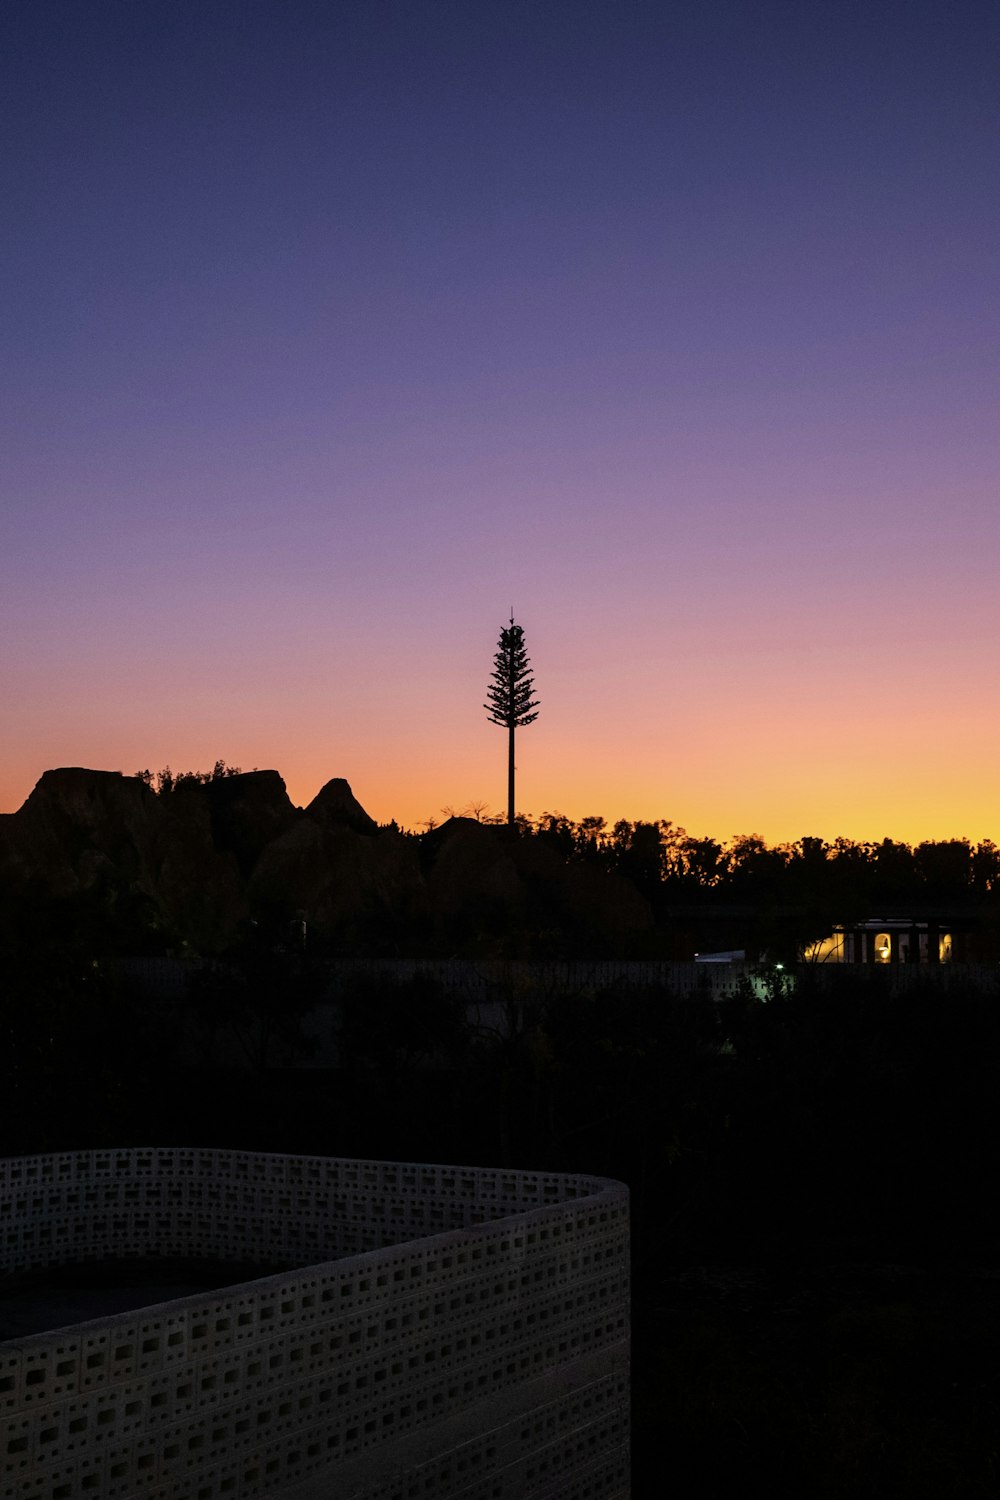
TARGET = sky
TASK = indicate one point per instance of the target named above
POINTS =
(331, 332)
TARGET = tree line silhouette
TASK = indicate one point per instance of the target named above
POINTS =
(659, 855)
(743, 892)
(164, 781)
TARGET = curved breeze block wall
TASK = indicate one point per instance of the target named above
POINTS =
(452, 1332)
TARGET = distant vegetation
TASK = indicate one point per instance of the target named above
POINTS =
(163, 782)
(699, 892)
(664, 860)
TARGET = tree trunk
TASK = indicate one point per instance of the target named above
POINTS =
(510, 778)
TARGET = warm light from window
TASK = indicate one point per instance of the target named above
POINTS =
(829, 950)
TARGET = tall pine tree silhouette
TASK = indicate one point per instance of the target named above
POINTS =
(510, 703)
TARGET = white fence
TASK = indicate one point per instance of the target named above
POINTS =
(454, 1332)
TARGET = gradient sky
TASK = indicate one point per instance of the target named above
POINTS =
(332, 330)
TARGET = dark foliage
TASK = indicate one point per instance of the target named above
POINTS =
(250, 1003)
(78, 1056)
(509, 701)
(509, 697)
(813, 1176)
(166, 781)
(777, 899)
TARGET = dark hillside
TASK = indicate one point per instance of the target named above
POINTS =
(813, 1168)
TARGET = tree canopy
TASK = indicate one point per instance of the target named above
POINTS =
(509, 696)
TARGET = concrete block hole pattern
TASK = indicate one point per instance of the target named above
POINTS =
(440, 1331)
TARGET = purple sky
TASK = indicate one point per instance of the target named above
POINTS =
(332, 330)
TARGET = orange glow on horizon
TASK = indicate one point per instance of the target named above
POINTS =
(782, 794)
(682, 385)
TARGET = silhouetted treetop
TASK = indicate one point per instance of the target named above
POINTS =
(510, 703)
(163, 782)
(509, 697)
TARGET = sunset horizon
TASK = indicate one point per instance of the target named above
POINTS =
(558, 413)
(334, 333)
(413, 815)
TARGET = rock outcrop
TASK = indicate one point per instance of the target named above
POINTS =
(187, 868)
(106, 836)
(335, 806)
(79, 825)
(248, 812)
(361, 889)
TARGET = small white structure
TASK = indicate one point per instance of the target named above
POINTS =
(883, 940)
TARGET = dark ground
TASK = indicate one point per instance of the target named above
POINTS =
(816, 1234)
(831, 1379)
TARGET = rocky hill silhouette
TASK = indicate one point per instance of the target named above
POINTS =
(190, 869)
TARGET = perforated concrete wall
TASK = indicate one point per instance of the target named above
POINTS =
(454, 1332)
